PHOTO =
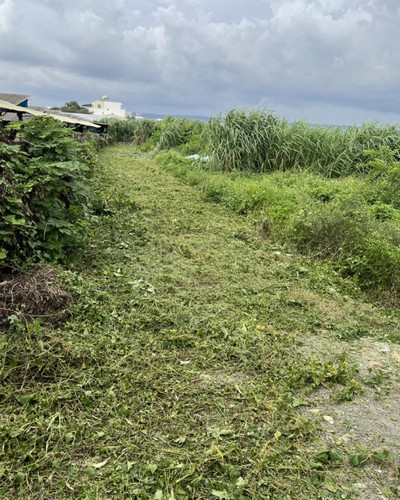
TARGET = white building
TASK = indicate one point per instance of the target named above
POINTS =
(104, 107)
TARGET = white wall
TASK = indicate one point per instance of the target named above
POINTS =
(108, 108)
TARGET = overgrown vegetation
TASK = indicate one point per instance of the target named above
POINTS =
(133, 131)
(179, 133)
(177, 373)
(258, 141)
(43, 191)
(185, 135)
(353, 222)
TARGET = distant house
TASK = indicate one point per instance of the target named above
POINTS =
(16, 99)
(20, 100)
(105, 107)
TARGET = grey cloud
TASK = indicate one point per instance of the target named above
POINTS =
(192, 56)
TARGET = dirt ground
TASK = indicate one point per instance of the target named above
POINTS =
(372, 420)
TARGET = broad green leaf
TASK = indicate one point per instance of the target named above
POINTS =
(357, 459)
(223, 495)
(27, 398)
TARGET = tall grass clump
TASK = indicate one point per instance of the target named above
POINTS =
(132, 131)
(181, 133)
(241, 141)
(257, 141)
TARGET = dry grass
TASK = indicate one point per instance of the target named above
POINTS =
(33, 294)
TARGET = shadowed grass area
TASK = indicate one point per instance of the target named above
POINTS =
(177, 374)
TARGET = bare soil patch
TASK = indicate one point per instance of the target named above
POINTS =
(372, 420)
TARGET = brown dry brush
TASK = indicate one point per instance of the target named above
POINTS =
(35, 294)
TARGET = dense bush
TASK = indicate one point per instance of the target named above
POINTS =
(348, 231)
(43, 191)
(383, 170)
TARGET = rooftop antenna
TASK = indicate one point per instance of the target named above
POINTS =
(104, 97)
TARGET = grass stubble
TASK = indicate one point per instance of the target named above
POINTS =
(178, 373)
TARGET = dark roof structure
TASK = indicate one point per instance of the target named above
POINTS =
(13, 98)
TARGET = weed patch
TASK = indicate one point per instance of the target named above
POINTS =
(44, 196)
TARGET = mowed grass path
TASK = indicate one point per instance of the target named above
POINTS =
(177, 373)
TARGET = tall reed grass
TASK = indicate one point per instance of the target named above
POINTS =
(177, 132)
(258, 141)
(132, 131)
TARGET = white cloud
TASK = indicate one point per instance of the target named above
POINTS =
(6, 15)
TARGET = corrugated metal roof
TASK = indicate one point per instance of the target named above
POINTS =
(13, 98)
(7, 106)
(88, 117)
(9, 117)
(55, 113)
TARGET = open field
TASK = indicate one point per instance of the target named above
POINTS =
(199, 359)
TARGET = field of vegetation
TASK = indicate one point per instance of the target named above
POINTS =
(223, 325)
(329, 193)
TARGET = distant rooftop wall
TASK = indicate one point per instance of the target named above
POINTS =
(103, 107)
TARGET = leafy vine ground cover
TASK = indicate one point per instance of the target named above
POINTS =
(184, 369)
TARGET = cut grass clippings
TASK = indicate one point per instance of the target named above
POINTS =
(176, 374)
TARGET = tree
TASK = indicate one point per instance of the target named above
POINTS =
(73, 107)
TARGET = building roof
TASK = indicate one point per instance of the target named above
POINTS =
(13, 98)
(9, 107)
(73, 117)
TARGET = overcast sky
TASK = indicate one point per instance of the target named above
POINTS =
(325, 61)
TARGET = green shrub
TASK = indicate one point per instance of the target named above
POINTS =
(348, 232)
(43, 191)
(331, 230)
(383, 171)
(377, 265)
